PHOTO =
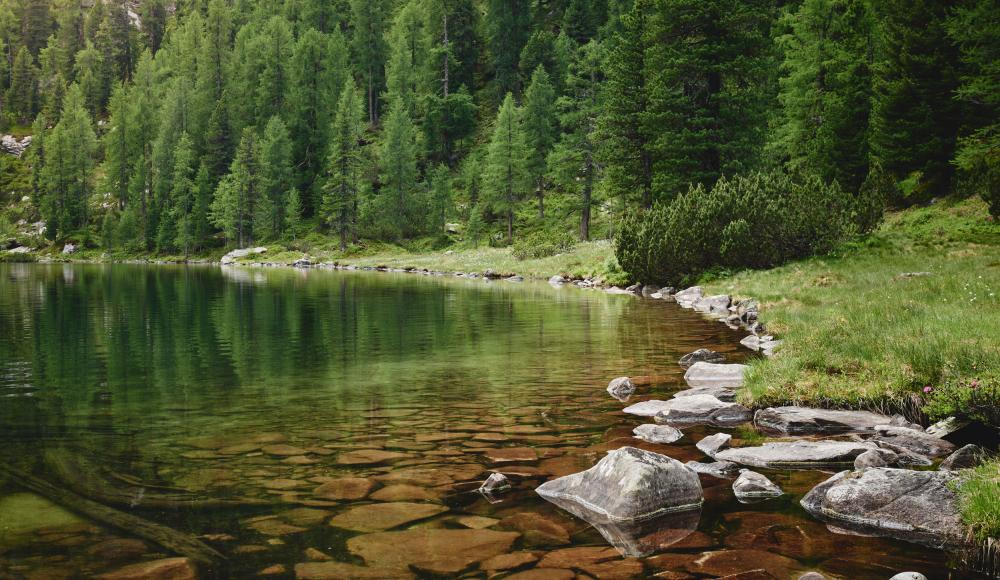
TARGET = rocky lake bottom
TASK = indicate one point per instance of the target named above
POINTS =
(348, 421)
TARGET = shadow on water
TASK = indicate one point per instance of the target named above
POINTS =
(285, 417)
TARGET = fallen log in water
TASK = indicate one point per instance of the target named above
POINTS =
(170, 539)
(89, 480)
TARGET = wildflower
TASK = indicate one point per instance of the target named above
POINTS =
(974, 384)
(928, 389)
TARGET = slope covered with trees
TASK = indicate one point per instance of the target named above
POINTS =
(179, 127)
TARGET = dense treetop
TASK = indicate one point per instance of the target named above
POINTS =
(175, 127)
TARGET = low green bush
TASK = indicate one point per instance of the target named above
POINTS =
(542, 244)
(974, 399)
(758, 220)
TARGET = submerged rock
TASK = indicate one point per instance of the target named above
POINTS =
(701, 355)
(430, 550)
(621, 388)
(164, 569)
(807, 421)
(628, 484)
(663, 434)
(911, 440)
(751, 485)
(704, 374)
(379, 517)
(915, 506)
(712, 444)
(495, 483)
(702, 409)
(965, 458)
(719, 469)
(796, 454)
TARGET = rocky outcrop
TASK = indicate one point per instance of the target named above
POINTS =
(235, 255)
(702, 409)
(751, 485)
(701, 355)
(915, 441)
(915, 506)
(10, 145)
(621, 388)
(965, 458)
(713, 444)
(796, 454)
(808, 421)
(628, 484)
(662, 434)
(704, 374)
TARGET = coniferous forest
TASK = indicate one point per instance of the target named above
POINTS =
(696, 133)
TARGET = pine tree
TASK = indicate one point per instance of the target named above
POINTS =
(276, 180)
(118, 155)
(915, 118)
(506, 179)
(625, 135)
(398, 162)
(409, 57)
(707, 89)
(68, 166)
(236, 198)
(370, 18)
(142, 127)
(539, 130)
(184, 196)
(23, 83)
(572, 161)
(340, 192)
(275, 44)
(153, 15)
(826, 91)
(507, 23)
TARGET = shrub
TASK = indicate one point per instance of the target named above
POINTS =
(542, 244)
(974, 399)
(757, 221)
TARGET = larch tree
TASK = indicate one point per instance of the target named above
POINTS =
(237, 195)
(540, 130)
(343, 168)
(399, 173)
(68, 167)
(276, 180)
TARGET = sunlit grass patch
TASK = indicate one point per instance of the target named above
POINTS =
(979, 500)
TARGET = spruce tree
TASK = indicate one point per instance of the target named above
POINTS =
(343, 169)
(539, 130)
(975, 27)
(236, 198)
(68, 166)
(506, 178)
(184, 196)
(23, 83)
(118, 155)
(276, 180)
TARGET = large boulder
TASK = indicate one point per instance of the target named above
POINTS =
(875, 458)
(965, 458)
(807, 421)
(662, 434)
(646, 408)
(715, 305)
(621, 388)
(701, 355)
(687, 298)
(796, 454)
(915, 506)
(703, 374)
(915, 441)
(231, 257)
(628, 484)
(702, 409)
(713, 444)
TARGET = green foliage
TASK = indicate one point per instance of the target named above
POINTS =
(397, 210)
(978, 498)
(539, 130)
(976, 399)
(506, 173)
(340, 192)
(542, 244)
(754, 221)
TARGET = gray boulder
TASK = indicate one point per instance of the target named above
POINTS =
(628, 484)
(965, 458)
(946, 427)
(705, 374)
(715, 305)
(702, 409)
(557, 280)
(751, 485)
(712, 444)
(915, 506)
(621, 388)
(796, 454)
(901, 421)
(905, 457)
(719, 469)
(231, 257)
(915, 441)
(646, 408)
(875, 458)
(687, 298)
(515, 278)
(649, 289)
(719, 392)
(662, 434)
(701, 355)
(69, 249)
(807, 421)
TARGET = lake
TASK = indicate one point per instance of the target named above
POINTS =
(346, 419)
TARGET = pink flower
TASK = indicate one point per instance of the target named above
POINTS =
(928, 389)
(974, 384)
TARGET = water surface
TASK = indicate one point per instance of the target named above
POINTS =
(324, 392)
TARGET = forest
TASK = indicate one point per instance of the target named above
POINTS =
(695, 133)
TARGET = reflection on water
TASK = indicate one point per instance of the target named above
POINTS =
(334, 421)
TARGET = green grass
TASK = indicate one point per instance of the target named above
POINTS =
(979, 499)
(859, 333)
